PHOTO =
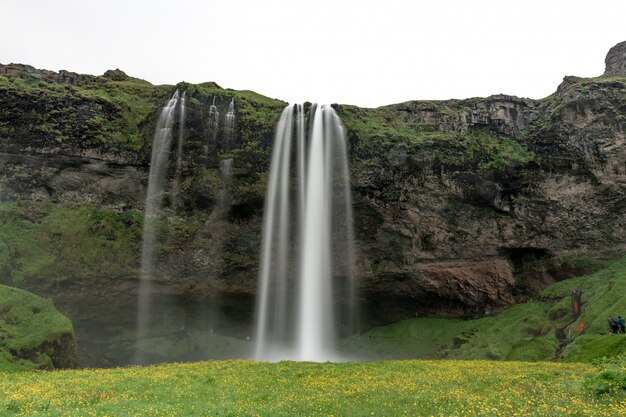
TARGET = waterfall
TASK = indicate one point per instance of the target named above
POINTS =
(306, 290)
(214, 117)
(214, 124)
(179, 149)
(154, 200)
(229, 125)
(224, 197)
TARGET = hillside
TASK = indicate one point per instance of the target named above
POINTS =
(543, 329)
(460, 206)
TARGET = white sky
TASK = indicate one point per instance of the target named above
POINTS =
(365, 52)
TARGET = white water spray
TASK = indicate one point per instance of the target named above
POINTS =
(179, 148)
(154, 200)
(307, 243)
(229, 125)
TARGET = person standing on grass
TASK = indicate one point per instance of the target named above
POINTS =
(613, 325)
(622, 324)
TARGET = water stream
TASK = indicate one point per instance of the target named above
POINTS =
(306, 289)
(154, 201)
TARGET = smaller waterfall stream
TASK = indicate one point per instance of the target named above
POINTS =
(229, 125)
(154, 200)
(179, 149)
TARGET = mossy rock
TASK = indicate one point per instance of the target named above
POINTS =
(534, 349)
(33, 334)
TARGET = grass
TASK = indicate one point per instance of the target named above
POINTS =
(245, 388)
(99, 112)
(47, 245)
(521, 332)
(539, 330)
(29, 326)
(603, 294)
(116, 115)
(384, 131)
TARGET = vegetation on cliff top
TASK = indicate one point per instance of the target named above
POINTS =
(100, 113)
(384, 135)
(33, 334)
(110, 114)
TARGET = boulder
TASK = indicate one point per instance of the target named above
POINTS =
(33, 333)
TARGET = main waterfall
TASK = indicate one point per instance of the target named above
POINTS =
(306, 294)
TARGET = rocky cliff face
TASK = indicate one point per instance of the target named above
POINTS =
(460, 205)
(616, 60)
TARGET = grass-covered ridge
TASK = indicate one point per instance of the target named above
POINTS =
(33, 334)
(539, 330)
(422, 388)
(97, 112)
(112, 113)
(382, 134)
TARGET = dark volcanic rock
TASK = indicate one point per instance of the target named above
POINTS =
(116, 75)
(616, 60)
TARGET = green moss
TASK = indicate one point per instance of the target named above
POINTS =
(31, 330)
(48, 245)
(540, 348)
(99, 112)
(237, 258)
(380, 133)
(380, 266)
(508, 152)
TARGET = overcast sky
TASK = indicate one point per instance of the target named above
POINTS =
(368, 53)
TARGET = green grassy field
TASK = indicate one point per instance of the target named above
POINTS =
(245, 388)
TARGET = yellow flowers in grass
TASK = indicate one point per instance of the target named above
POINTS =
(246, 388)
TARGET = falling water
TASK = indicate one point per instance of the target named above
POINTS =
(306, 259)
(214, 123)
(154, 199)
(214, 115)
(179, 149)
(229, 125)
(224, 197)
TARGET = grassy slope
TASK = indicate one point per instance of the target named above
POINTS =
(27, 321)
(66, 245)
(603, 295)
(424, 388)
(522, 332)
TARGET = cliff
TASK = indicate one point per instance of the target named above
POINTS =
(460, 205)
